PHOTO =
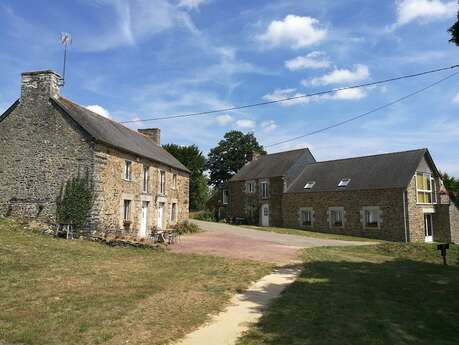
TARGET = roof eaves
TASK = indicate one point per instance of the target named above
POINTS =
(9, 110)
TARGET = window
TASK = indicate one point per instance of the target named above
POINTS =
(146, 178)
(371, 217)
(174, 212)
(344, 182)
(264, 190)
(309, 184)
(425, 189)
(250, 187)
(127, 170)
(174, 181)
(127, 210)
(162, 182)
(336, 216)
(306, 215)
(225, 196)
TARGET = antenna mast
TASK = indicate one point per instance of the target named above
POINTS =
(65, 39)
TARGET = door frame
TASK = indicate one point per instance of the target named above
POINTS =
(161, 207)
(263, 216)
(143, 231)
(428, 220)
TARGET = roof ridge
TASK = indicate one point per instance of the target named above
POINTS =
(368, 156)
(281, 152)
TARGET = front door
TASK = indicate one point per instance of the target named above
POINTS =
(143, 220)
(160, 215)
(428, 227)
(265, 215)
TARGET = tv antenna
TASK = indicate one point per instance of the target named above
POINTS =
(65, 39)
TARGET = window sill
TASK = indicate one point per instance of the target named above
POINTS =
(125, 180)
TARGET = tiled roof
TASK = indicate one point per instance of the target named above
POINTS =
(390, 170)
(116, 135)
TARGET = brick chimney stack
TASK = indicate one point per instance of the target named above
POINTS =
(154, 134)
(39, 86)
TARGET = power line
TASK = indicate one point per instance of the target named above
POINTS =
(398, 100)
(293, 97)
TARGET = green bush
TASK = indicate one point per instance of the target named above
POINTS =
(187, 227)
(207, 216)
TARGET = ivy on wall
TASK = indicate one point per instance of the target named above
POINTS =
(75, 201)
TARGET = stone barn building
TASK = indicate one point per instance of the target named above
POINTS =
(47, 139)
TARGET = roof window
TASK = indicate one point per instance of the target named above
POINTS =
(309, 184)
(344, 182)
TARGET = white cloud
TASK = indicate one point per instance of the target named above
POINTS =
(456, 99)
(279, 94)
(245, 124)
(426, 10)
(339, 76)
(223, 120)
(99, 110)
(268, 126)
(191, 4)
(293, 31)
(313, 60)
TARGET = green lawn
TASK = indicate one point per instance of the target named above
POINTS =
(54, 291)
(379, 294)
(312, 234)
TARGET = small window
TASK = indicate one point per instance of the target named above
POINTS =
(127, 210)
(336, 217)
(264, 190)
(146, 178)
(174, 181)
(127, 170)
(250, 187)
(162, 182)
(306, 217)
(225, 196)
(174, 212)
(309, 184)
(371, 217)
(344, 182)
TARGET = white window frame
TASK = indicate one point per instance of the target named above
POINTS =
(162, 182)
(146, 179)
(127, 173)
(432, 191)
(367, 210)
(264, 189)
(174, 181)
(225, 196)
(301, 219)
(309, 184)
(173, 217)
(250, 187)
(127, 210)
(343, 216)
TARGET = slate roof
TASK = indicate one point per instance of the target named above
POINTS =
(116, 135)
(389, 170)
(272, 165)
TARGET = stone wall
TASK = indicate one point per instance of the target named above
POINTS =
(454, 222)
(111, 190)
(240, 199)
(40, 150)
(389, 201)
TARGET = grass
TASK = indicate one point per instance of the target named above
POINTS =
(78, 292)
(379, 294)
(312, 234)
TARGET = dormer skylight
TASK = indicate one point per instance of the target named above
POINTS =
(344, 182)
(309, 184)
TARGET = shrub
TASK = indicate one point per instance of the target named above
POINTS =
(207, 216)
(187, 227)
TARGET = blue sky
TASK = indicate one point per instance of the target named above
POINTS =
(147, 58)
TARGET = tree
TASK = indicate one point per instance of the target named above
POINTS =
(193, 159)
(230, 155)
(454, 30)
(452, 185)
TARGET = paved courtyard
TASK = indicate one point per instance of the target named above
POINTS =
(238, 242)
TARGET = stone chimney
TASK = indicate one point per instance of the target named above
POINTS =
(154, 134)
(39, 86)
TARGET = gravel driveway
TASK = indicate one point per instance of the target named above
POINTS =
(237, 242)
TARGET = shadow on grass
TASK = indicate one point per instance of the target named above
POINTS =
(343, 302)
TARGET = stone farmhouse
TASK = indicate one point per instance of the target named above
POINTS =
(46, 139)
(396, 196)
